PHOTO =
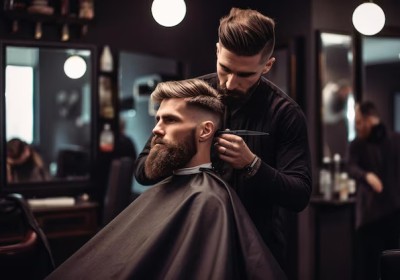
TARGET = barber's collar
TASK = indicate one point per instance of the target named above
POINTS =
(192, 170)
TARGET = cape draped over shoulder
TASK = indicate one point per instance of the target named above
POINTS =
(185, 227)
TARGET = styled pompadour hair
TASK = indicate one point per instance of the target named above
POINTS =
(247, 32)
(195, 92)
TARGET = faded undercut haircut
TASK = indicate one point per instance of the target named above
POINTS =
(247, 32)
(195, 92)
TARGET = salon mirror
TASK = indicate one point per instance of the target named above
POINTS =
(380, 72)
(48, 99)
(336, 92)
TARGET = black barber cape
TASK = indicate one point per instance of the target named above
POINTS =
(186, 227)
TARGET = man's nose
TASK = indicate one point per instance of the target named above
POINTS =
(158, 129)
(231, 82)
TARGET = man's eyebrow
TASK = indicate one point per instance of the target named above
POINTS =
(169, 116)
(237, 73)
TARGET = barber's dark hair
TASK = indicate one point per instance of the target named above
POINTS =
(247, 32)
(194, 91)
(368, 109)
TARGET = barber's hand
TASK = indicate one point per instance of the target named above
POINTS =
(374, 182)
(233, 150)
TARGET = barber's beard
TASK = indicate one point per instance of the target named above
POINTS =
(231, 97)
(167, 157)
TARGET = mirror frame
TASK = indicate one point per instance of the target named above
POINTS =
(52, 187)
(319, 87)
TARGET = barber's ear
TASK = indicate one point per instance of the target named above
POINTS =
(207, 130)
(268, 65)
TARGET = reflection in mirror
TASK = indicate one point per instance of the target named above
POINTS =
(381, 84)
(337, 100)
(48, 113)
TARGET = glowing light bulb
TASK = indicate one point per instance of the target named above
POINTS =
(168, 13)
(75, 67)
(368, 18)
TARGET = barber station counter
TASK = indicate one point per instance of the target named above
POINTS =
(67, 226)
(334, 238)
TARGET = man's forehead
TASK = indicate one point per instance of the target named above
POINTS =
(245, 63)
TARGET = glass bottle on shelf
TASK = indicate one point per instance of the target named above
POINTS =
(86, 9)
(64, 7)
(8, 5)
(14, 5)
(325, 178)
(106, 60)
(65, 32)
(38, 30)
(344, 187)
(336, 172)
(106, 139)
(105, 97)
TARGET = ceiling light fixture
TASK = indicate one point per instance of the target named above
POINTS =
(168, 13)
(368, 18)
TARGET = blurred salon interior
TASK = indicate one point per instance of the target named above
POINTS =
(75, 81)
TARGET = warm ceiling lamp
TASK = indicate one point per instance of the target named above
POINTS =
(75, 67)
(168, 12)
(368, 18)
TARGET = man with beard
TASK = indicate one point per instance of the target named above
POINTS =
(270, 173)
(191, 225)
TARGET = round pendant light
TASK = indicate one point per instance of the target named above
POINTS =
(168, 13)
(368, 18)
(75, 67)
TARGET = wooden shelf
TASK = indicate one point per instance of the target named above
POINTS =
(37, 17)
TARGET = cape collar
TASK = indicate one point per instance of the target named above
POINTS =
(192, 170)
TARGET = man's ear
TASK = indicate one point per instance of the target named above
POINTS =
(207, 130)
(268, 65)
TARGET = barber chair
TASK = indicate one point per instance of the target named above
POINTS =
(119, 188)
(24, 250)
(390, 264)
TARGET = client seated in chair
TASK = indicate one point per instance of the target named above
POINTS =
(191, 225)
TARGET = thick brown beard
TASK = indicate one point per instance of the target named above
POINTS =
(164, 158)
(231, 95)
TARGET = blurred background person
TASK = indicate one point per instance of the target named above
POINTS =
(24, 163)
(374, 161)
